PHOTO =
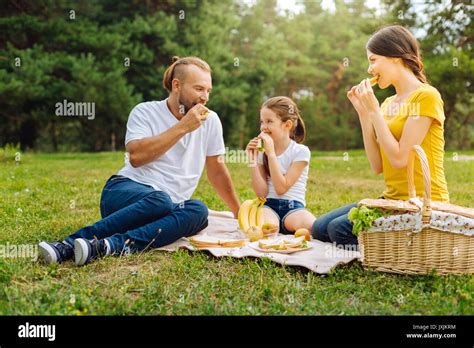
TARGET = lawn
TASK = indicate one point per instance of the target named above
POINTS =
(48, 196)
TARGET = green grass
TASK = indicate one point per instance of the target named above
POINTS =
(49, 196)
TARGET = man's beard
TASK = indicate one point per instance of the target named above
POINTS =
(184, 106)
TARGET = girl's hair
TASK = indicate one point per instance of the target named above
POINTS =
(286, 110)
(175, 70)
(397, 42)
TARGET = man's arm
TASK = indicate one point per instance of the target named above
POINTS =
(220, 179)
(149, 149)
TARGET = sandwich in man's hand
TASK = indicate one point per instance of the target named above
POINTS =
(204, 115)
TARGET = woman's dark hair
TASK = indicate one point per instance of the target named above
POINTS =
(286, 110)
(396, 41)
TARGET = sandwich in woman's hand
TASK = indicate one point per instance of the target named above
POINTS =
(374, 80)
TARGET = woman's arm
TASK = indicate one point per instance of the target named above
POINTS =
(371, 146)
(413, 133)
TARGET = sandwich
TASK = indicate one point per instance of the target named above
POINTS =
(260, 146)
(204, 241)
(270, 230)
(204, 115)
(283, 243)
(374, 80)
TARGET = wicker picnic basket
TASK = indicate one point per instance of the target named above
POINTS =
(419, 236)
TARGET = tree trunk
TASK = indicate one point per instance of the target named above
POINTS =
(112, 142)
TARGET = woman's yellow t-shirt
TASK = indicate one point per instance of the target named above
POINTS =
(424, 101)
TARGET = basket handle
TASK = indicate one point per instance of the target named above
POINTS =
(426, 209)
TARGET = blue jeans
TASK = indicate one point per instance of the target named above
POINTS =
(136, 216)
(283, 208)
(335, 227)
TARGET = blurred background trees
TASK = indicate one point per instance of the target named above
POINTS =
(114, 53)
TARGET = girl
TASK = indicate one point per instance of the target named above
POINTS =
(280, 174)
(413, 116)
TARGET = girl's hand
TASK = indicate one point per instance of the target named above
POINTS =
(365, 95)
(252, 151)
(268, 143)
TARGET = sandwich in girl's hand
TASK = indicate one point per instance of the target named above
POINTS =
(280, 165)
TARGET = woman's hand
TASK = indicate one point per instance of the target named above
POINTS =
(358, 106)
(366, 98)
(252, 151)
(268, 144)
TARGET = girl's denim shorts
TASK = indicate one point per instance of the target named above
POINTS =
(283, 208)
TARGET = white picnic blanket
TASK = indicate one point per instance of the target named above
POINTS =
(321, 258)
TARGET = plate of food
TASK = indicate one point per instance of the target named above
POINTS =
(282, 245)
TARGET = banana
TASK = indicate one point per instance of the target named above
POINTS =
(259, 220)
(251, 214)
(243, 215)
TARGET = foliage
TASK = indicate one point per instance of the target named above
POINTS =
(113, 54)
(10, 152)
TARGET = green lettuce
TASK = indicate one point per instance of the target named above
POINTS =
(363, 217)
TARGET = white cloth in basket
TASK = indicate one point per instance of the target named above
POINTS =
(440, 220)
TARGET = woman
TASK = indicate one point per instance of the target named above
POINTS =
(413, 116)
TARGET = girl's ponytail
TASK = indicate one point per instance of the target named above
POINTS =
(299, 130)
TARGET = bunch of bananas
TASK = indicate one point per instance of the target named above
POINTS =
(251, 214)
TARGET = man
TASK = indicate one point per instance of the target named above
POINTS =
(147, 204)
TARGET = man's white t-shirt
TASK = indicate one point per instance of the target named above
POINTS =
(294, 153)
(176, 172)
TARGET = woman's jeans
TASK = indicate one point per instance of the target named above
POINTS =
(137, 217)
(335, 227)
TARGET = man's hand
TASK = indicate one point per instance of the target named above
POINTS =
(194, 118)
